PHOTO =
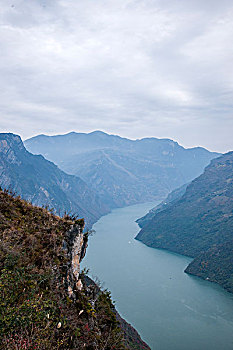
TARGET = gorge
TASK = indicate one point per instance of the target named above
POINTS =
(170, 309)
(198, 222)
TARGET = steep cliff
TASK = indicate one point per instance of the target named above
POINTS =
(45, 302)
(43, 183)
(172, 197)
(200, 224)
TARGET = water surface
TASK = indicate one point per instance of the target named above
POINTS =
(170, 309)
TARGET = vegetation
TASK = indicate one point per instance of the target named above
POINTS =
(200, 224)
(172, 197)
(36, 311)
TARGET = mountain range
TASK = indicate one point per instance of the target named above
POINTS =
(194, 220)
(41, 182)
(199, 223)
(123, 171)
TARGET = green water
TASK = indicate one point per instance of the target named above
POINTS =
(170, 309)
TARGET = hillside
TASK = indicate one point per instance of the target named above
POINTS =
(200, 224)
(41, 182)
(120, 170)
(168, 201)
(45, 302)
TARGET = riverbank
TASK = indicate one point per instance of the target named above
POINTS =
(169, 309)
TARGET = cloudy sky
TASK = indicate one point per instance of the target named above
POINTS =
(136, 68)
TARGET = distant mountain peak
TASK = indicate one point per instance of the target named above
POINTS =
(121, 170)
(10, 142)
(10, 137)
(38, 180)
(98, 132)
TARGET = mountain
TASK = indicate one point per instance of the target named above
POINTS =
(123, 171)
(170, 200)
(41, 182)
(45, 301)
(200, 224)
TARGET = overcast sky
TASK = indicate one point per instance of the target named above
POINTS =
(135, 68)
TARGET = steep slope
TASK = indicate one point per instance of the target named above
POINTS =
(123, 171)
(43, 183)
(45, 302)
(167, 202)
(200, 224)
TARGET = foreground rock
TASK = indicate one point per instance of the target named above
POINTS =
(45, 302)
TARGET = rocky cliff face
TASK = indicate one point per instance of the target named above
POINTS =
(41, 182)
(45, 302)
(200, 224)
(75, 247)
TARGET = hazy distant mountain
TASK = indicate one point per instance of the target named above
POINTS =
(38, 180)
(200, 224)
(123, 171)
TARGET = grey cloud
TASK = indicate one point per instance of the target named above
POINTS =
(138, 68)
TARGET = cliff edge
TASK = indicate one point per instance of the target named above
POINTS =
(45, 302)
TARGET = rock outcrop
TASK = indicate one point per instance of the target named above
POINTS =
(45, 301)
(75, 245)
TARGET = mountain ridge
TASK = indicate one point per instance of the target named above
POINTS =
(123, 171)
(200, 224)
(100, 132)
(43, 183)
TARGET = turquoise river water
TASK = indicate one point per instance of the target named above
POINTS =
(170, 309)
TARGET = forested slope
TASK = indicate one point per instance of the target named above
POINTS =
(200, 224)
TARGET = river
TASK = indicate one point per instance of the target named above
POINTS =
(170, 309)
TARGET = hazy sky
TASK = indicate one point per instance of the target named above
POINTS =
(135, 68)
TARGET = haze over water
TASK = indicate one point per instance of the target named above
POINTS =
(170, 309)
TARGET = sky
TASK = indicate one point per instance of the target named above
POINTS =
(136, 68)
